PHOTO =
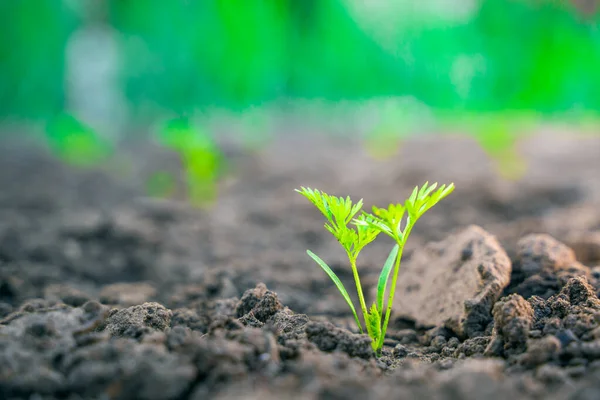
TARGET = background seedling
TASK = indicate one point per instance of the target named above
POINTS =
(354, 233)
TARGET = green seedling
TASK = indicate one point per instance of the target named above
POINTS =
(200, 156)
(355, 231)
(76, 143)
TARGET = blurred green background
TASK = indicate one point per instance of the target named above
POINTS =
(89, 71)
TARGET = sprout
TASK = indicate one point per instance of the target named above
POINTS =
(354, 233)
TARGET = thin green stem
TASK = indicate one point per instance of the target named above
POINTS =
(390, 302)
(361, 297)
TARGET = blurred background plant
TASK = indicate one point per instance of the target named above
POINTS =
(88, 73)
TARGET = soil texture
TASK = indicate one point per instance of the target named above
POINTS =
(108, 294)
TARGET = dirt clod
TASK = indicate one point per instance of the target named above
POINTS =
(543, 266)
(258, 304)
(107, 294)
(541, 351)
(513, 318)
(440, 286)
(136, 321)
(329, 338)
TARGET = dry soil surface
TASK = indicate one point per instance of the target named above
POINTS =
(105, 293)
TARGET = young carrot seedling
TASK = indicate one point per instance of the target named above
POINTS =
(354, 233)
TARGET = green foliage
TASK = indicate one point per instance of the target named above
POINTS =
(182, 56)
(243, 53)
(76, 143)
(421, 200)
(337, 282)
(339, 212)
(354, 233)
(189, 57)
(201, 158)
(32, 57)
(385, 275)
(499, 139)
(373, 319)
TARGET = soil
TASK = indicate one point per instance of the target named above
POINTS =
(108, 294)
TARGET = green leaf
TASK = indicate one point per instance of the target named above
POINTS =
(338, 211)
(391, 218)
(337, 282)
(413, 195)
(426, 190)
(367, 232)
(328, 213)
(385, 274)
(318, 199)
(374, 222)
(436, 197)
(348, 238)
(374, 325)
(355, 209)
(423, 199)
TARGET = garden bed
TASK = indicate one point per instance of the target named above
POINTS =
(104, 291)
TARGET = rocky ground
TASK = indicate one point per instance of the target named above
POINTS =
(105, 293)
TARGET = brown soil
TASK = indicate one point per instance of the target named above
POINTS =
(107, 294)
